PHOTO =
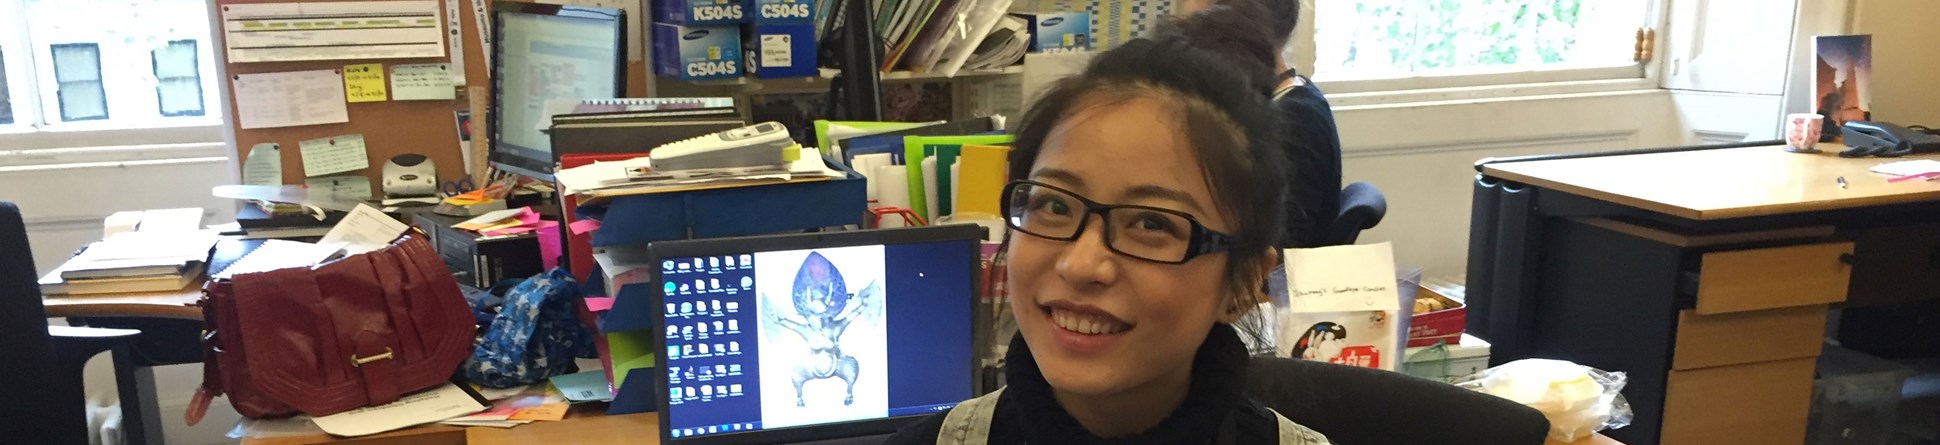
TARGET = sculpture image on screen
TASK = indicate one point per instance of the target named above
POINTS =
(824, 347)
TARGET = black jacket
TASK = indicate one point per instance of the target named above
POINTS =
(1312, 146)
(1216, 410)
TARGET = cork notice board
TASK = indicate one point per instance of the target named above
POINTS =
(393, 127)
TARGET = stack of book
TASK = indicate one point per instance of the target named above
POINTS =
(133, 262)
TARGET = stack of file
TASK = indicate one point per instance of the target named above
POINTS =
(636, 131)
(947, 36)
(259, 222)
(140, 261)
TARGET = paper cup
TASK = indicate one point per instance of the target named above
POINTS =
(1802, 131)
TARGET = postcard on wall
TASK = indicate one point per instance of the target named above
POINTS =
(336, 154)
(1368, 339)
(1842, 89)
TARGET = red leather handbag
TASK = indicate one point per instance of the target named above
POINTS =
(359, 331)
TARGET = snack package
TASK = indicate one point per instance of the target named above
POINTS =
(1578, 400)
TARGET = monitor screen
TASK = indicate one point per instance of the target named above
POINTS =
(804, 337)
(547, 52)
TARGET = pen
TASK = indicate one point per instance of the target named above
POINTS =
(1842, 182)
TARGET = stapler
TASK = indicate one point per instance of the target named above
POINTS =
(410, 179)
(755, 145)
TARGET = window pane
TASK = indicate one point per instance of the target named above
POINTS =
(6, 97)
(178, 86)
(1403, 38)
(77, 68)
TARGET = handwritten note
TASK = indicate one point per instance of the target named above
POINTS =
(364, 229)
(431, 81)
(364, 83)
(264, 166)
(552, 412)
(1342, 278)
(351, 188)
(289, 99)
(334, 155)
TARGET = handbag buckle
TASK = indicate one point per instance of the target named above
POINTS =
(359, 362)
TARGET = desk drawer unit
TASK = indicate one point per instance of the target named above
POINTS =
(1774, 277)
(1706, 341)
(1753, 404)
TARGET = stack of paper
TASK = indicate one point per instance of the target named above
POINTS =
(1005, 46)
(636, 176)
(535, 403)
(153, 251)
(443, 402)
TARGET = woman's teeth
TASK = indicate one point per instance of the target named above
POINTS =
(1086, 324)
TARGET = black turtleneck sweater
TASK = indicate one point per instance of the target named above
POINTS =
(1215, 411)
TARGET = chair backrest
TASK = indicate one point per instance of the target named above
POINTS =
(31, 363)
(1356, 406)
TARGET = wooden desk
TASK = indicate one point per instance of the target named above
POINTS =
(1704, 274)
(1726, 183)
(584, 425)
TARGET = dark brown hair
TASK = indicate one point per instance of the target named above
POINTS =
(1214, 69)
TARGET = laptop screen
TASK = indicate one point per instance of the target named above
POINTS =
(792, 338)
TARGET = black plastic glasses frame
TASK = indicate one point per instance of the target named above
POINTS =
(1202, 240)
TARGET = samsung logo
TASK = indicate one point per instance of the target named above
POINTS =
(1054, 21)
(698, 33)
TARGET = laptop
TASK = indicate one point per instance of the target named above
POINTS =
(837, 337)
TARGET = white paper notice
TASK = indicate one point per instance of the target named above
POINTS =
(776, 51)
(352, 188)
(443, 402)
(364, 229)
(289, 99)
(273, 32)
(334, 155)
(264, 166)
(431, 81)
(1342, 278)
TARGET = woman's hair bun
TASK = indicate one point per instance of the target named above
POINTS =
(1248, 33)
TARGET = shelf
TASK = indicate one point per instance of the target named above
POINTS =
(829, 73)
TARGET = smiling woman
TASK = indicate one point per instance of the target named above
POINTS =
(1146, 193)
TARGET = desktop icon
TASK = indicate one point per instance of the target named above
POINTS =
(713, 283)
(733, 306)
(676, 392)
(683, 266)
(700, 286)
(691, 393)
(717, 305)
(686, 308)
(747, 261)
(713, 429)
(687, 349)
(669, 289)
(686, 331)
(702, 327)
(683, 289)
(730, 261)
(734, 346)
(718, 348)
(736, 388)
(747, 282)
(707, 391)
(720, 369)
(714, 263)
(703, 348)
(718, 325)
(690, 375)
(670, 308)
(673, 352)
(734, 368)
(667, 265)
(697, 263)
(734, 325)
(673, 330)
(676, 433)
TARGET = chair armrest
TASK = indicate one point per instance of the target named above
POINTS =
(75, 345)
(1361, 207)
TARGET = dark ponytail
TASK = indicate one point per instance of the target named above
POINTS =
(1215, 68)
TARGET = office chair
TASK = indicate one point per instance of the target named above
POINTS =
(1361, 207)
(44, 393)
(1358, 406)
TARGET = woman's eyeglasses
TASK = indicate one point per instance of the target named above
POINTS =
(1143, 232)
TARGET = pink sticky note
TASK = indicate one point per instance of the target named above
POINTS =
(508, 231)
(599, 304)
(527, 216)
(580, 227)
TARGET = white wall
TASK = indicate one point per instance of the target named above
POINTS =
(1905, 59)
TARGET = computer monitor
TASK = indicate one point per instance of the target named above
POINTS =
(792, 338)
(546, 52)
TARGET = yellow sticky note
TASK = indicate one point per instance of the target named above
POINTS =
(364, 83)
(551, 412)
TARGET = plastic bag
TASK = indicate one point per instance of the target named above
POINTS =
(1578, 400)
(536, 335)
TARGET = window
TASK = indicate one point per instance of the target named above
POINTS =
(84, 65)
(77, 71)
(1446, 43)
(6, 99)
(178, 82)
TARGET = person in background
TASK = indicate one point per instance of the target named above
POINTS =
(1146, 201)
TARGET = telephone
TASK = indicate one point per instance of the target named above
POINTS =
(751, 146)
(1883, 139)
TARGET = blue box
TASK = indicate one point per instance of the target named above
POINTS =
(699, 12)
(1059, 31)
(780, 51)
(784, 12)
(696, 52)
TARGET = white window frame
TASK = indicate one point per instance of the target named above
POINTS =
(34, 129)
(1481, 84)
